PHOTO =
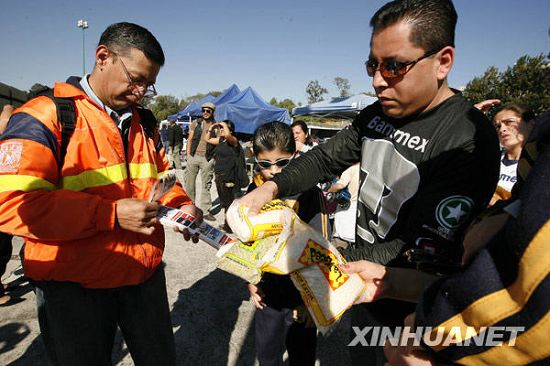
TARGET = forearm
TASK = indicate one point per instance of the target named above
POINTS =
(212, 140)
(233, 141)
(336, 187)
(382, 253)
(176, 197)
(323, 162)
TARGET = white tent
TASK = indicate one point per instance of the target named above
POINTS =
(346, 108)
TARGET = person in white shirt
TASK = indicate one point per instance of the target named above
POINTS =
(301, 137)
(344, 217)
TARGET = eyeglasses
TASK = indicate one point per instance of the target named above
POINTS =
(393, 69)
(506, 122)
(142, 87)
(281, 163)
(206, 110)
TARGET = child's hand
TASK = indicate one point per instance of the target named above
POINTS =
(257, 296)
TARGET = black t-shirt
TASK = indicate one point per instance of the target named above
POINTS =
(422, 178)
(225, 156)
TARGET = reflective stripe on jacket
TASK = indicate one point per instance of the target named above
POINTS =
(68, 221)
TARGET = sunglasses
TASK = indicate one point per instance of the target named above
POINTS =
(206, 110)
(281, 163)
(393, 69)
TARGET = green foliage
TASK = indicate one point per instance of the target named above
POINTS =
(285, 103)
(526, 82)
(163, 106)
(315, 91)
(37, 87)
(147, 102)
(343, 86)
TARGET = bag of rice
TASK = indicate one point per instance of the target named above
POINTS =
(250, 228)
(304, 253)
(245, 260)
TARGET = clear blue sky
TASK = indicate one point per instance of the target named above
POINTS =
(276, 47)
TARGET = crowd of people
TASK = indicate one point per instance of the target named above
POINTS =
(433, 223)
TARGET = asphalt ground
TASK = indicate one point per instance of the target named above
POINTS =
(212, 316)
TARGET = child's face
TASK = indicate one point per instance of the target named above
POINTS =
(272, 162)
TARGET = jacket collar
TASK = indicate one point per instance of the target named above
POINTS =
(71, 88)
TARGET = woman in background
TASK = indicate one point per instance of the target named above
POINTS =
(301, 135)
(513, 124)
(226, 151)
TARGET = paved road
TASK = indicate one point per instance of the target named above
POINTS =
(212, 316)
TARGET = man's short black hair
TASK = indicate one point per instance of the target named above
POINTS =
(433, 21)
(121, 37)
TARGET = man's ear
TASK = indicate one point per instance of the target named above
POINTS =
(446, 60)
(102, 54)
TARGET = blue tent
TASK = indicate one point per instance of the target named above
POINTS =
(249, 111)
(193, 109)
(347, 107)
(227, 95)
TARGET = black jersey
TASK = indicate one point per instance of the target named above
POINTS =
(422, 178)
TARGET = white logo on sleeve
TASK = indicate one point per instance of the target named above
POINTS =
(452, 211)
(10, 156)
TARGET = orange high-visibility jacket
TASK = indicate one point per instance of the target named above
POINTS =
(68, 219)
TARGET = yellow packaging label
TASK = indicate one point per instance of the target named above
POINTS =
(315, 254)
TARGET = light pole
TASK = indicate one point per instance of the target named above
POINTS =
(83, 24)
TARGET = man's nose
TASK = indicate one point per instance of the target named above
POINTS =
(378, 80)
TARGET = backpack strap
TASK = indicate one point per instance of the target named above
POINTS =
(149, 124)
(66, 115)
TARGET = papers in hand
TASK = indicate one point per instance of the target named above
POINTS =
(173, 217)
(163, 185)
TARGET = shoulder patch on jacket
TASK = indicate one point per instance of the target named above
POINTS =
(10, 156)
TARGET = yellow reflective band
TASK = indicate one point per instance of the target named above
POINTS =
(143, 171)
(95, 178)
(25, 183)
(534, 267)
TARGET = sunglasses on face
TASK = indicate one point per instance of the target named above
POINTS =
(281, 163)
(393, 69)
(206, 110)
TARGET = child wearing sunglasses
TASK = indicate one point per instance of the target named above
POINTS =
(282, 321)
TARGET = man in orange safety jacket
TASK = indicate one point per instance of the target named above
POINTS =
(93, 244)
